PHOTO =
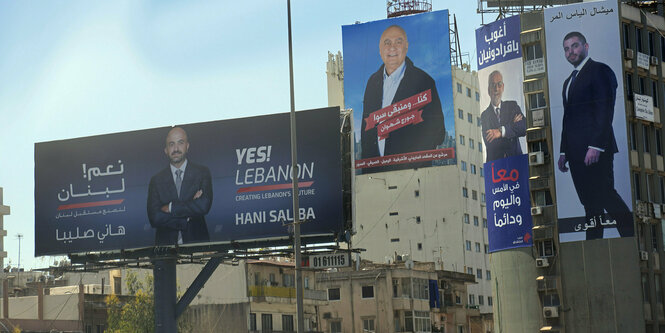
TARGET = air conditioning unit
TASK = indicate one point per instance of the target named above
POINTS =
(654, 61)
(551, 312)
(644, 255)
(537, 210)
(630, 54)
(536, 158)
(327, 315)
(542, 262)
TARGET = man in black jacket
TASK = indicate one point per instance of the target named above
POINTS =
(398, 79)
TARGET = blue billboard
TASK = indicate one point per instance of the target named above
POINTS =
(211, 182)
(508, 203)
(398, 81)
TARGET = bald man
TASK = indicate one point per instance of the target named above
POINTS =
(398, 79)
(179, 196)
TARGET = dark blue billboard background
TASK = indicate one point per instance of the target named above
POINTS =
(91, 193)
(508, 203)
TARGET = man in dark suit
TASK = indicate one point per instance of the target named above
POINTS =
(502, 122)
(179, 196)
(398, 79)
(587, 139)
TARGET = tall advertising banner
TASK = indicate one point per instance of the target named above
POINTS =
(398, 81)
(503, 125)
(509, 222)
(588, 121)
(211, 182)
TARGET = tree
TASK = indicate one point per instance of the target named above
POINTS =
(137, 315)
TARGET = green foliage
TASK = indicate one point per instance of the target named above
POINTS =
(137, 315)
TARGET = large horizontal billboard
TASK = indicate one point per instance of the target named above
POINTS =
(398, 81)
(201, 183)
(588, 121)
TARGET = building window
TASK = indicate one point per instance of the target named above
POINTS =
(468, 248)
(463, 165)
(288, 280)
(652, 51)
(466, 218)
(336, 326)
(482, 197)
(487, 248)
(368, 325)
(266, 322)
(480, 147)
(420, 246)
(272, 280)
(465, 191)
(478, 121)
(460, 113)
(482, 174)
(471, 143)
(654, 237)
(533, 52)
(287, 323)
(629, 85)
(654, 93)
(477, 97)
(461, 139)
(473, 169)
(368, 291)
(472, 299)
(333, 294)
(659, 146)
(481, 300)
(485, 223)
(306, 282)
(475, 221)
(474, 194)
(468, 92)
(489, 300)
(537, 101)
(638, 40)
(469, 118)
(659, 289)
(626, 37)
(459, 87)
(469, 270)
(637, 186)
(645, 288)
(646, 134)
(633, 137)
(478, 250)
(488, 274)
(416, 193)
(642, 85)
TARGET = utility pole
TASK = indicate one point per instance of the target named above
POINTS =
(294, 177)
(19, 237)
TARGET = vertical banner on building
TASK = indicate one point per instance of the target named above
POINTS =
(503, 125)
(508, 206)
(500, 76)
(588, 121)
(397, 79)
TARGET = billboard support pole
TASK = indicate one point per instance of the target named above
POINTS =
(294, 177)
(164, 273)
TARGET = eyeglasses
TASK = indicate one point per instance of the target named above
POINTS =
(496, 85)
(397, 43)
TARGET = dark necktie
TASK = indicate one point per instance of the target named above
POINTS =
(572, 77)
(498, 114)
(178, 180)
